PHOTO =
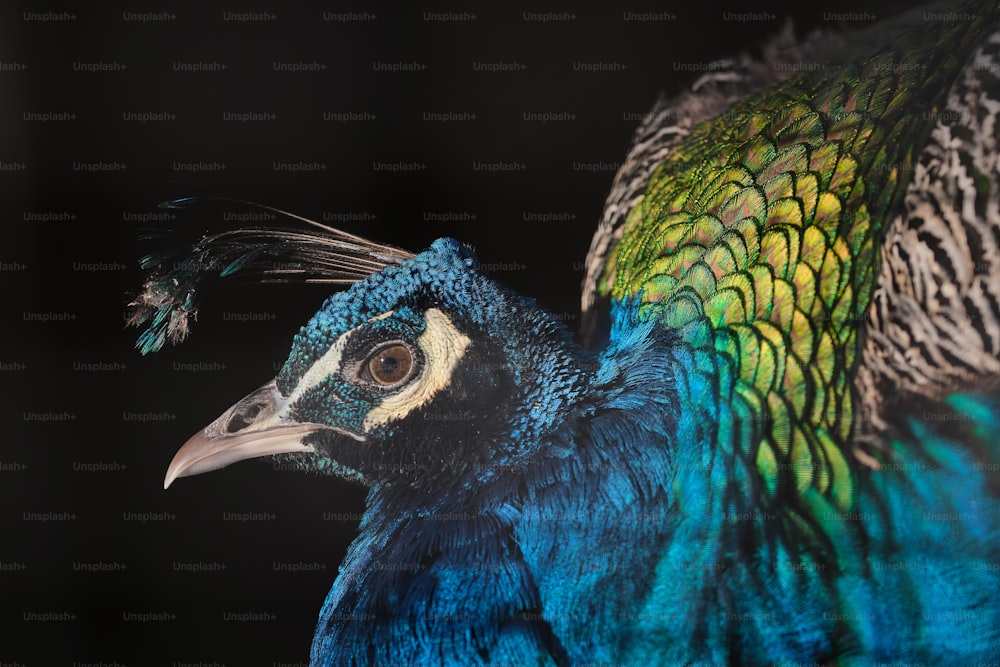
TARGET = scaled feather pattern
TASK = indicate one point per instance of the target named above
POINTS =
(780, 444)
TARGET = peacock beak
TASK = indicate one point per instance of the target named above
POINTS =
(257, 425)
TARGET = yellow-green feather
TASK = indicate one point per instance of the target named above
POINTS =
(764, 224)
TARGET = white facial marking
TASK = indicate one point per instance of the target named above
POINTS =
(443, 346)
(328, 364)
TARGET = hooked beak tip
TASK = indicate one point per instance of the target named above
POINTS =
(252, 428)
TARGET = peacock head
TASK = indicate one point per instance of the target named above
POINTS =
(425, 373)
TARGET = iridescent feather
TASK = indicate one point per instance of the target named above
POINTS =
(318, 254)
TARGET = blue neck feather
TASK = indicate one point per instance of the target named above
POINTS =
(620, 518)
(505, 536)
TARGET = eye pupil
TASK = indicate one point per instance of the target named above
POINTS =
(391, 364)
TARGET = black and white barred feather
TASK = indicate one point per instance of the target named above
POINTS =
(933, 326)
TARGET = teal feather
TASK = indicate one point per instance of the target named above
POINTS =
(785, 450)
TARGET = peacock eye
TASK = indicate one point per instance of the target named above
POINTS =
(390, 365)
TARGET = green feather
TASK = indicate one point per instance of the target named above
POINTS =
(762, 224)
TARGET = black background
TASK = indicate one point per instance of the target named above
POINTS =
(75, 390)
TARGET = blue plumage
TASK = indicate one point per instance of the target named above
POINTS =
(476, 533)
(784, 453)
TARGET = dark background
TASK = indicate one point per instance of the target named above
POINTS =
(96, 560)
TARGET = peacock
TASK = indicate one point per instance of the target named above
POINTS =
(775, 439)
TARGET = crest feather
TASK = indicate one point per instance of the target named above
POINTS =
(317, 254)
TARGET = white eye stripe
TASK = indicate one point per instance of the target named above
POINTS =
(323, 367)
(443, 346)
(328, 364)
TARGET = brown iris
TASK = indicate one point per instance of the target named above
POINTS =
(390, 365)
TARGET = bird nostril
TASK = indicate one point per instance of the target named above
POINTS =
(243, 417)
